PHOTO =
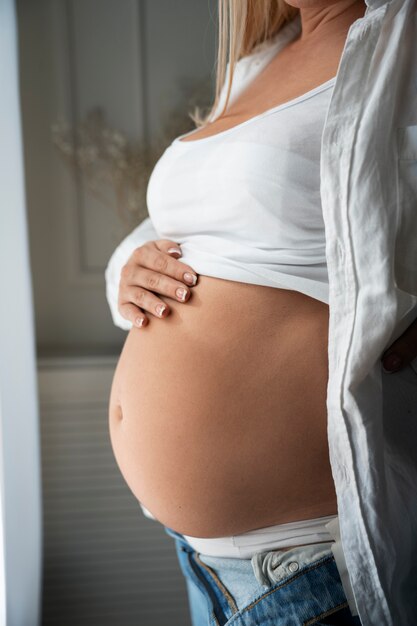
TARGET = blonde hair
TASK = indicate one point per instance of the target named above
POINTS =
(242, 25)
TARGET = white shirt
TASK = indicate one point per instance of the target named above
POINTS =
(369, 203)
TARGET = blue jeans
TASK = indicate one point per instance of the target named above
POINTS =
(297, 587)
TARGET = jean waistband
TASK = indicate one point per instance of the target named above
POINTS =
(272, 566)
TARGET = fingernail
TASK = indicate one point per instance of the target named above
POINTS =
(391, 363)
(181, 293)
(140, 321)
(174, 251)
(160, 309)
(190, 278)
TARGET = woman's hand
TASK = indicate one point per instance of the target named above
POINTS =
(149, 270)
(402, 351)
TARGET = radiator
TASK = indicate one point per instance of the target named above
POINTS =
(104, 562)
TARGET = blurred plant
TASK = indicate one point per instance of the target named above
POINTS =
(113, 165)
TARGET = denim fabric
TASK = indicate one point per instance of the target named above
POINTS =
(296, 587)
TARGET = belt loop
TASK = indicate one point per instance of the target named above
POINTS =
(337, 549)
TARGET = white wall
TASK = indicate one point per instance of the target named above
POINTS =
(20, 568)
(134, 59)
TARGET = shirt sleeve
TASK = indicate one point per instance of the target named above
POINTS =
(140, 235)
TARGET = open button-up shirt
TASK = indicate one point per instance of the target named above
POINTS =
(369, 202)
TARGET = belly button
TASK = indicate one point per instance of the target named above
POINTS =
(119, 413)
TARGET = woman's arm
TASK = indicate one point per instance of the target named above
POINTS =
(140, 235)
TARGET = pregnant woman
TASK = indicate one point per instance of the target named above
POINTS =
(218, 416)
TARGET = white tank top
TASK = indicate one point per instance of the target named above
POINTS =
(245, 203)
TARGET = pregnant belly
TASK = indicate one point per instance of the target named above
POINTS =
(218, 415)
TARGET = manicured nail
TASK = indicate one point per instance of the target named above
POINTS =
(391, 363)
(181, 293)
(174, 251)
(191, 279)
(160, 309)
(140, 321)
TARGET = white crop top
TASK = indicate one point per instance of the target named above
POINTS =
(245, 203)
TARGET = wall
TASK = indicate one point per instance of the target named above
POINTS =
(104, 562)
(135, 59)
